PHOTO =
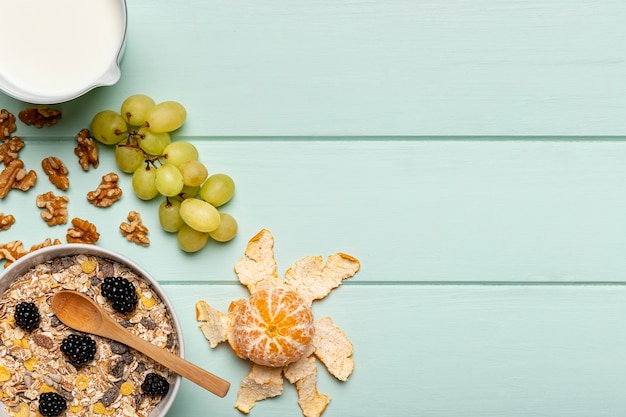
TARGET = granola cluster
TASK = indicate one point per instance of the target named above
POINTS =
(32, 363)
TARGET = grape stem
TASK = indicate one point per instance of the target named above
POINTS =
(132, 141)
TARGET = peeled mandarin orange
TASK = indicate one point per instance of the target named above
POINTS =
(273, 327)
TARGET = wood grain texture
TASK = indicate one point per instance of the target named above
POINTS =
(446, 351)
(470, 153)
(411, 210)
(398, 67)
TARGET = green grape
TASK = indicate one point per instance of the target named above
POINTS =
(189, 191)
(128, 158)
(169, 215)
(227, 229)
(191, 240)
(153, 143)
(166, 116)
(218, 189)
(199, 215)
(144, 183)
(177, 153)
(168, 180)
(109, 127)
(135, 108)
(194, 173)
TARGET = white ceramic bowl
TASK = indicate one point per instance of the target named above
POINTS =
(53, 52)
(22, 265)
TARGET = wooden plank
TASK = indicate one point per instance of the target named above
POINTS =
(446, 351)
(400, 67)
(411, 210)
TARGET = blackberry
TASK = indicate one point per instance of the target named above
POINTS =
(121, 292)
(27, 316)
(51, 404)
(78, 349)
(155, 385)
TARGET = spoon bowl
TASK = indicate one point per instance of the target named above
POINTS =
(81, 313)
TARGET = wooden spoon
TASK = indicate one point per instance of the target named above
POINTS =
(81, 313)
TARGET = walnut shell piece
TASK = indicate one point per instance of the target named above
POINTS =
(86, 150)
(6, 221)
(7, 124)
(82, 232)
(39, 116)
(56, 171)
(15, 176)
(55, 212)
(107, 193)
(135, 231)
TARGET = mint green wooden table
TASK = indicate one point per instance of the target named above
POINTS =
(470, 153)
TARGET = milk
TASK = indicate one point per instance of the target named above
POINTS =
(61, 47)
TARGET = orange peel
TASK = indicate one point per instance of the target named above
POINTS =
(275, 329)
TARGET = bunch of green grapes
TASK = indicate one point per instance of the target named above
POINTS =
(161, 167)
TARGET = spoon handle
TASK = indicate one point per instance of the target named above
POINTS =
(186, 369)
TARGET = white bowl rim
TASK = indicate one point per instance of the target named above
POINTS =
(28, 261)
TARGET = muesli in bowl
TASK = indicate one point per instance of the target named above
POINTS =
(87, 374)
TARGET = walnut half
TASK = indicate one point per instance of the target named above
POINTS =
(9, 149)
(56, 171)
(15, 176)
(6, 221)
(107, 193)
(55, 208)
(12, 251)
(7, 124)
(82, 232)
(39, 116)
(86, 150)
(135, 231)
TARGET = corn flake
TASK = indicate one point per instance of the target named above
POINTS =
(23, 410)
(88, 266)
(5, 374)
(127, 388)
(30, 363)
(81, 382)
(148, 302)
